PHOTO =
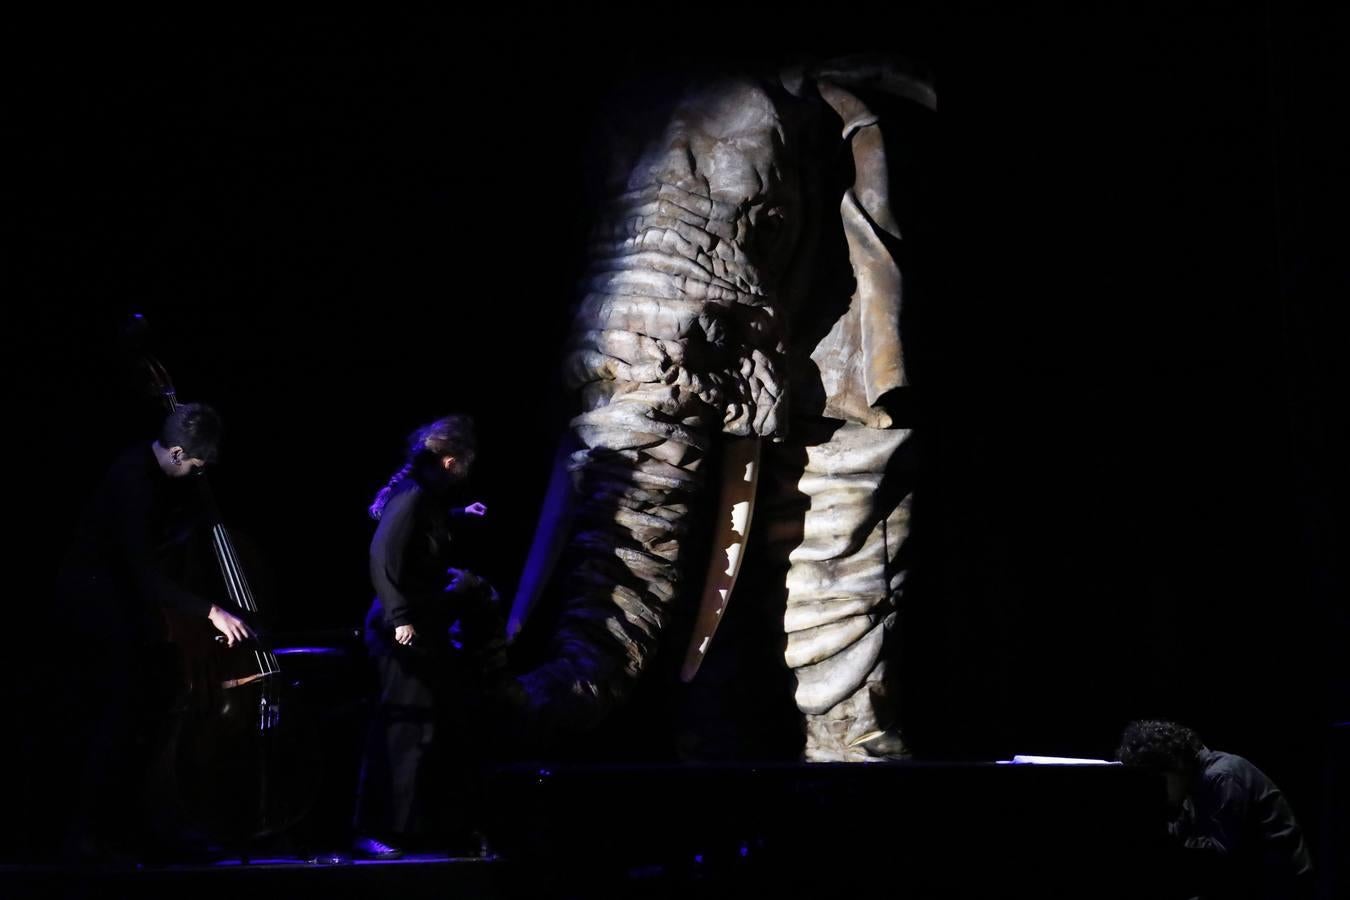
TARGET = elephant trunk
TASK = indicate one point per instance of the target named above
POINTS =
(675, 339)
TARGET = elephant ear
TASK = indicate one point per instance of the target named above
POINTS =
(861, 358)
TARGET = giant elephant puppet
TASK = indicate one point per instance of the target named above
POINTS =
(711, 314)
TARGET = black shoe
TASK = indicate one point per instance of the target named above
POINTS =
(372, 848)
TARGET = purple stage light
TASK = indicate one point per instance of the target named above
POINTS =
(308, 651)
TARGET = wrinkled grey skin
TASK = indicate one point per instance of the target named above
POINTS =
(704, 318)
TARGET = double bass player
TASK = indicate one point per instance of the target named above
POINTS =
(122, 569)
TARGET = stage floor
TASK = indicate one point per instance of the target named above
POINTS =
(913, 830)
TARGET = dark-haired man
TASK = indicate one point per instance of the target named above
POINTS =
(1237, 823)
(122, 570)
(117, 574)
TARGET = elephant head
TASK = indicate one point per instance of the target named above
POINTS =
(705, 318)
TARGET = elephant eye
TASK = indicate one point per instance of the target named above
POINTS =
(769, 224)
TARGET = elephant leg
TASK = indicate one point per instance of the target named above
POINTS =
(840, 534)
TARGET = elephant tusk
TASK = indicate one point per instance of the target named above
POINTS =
(736, 503)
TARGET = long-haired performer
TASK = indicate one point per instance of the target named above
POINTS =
(435, 634)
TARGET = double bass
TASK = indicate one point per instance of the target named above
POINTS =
(232, 766)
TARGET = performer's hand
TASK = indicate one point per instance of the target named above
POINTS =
(475, 509)
(404, 634)
(234, 628)
(461, 580)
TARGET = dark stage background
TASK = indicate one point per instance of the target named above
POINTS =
(340, 228)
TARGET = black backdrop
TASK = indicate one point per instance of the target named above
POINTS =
(340, 228)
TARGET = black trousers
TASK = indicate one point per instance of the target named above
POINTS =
(119, 697)
(419, 773)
